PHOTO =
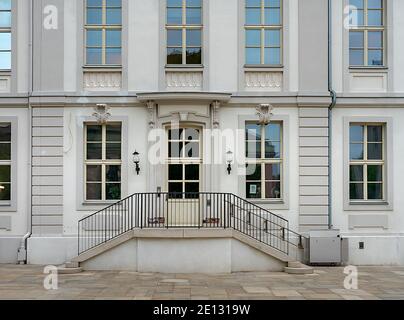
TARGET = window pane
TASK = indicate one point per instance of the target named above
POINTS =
(272, 38)
(175, 134)
(114, 132)
(272, 16)
(114, 3)
(356, 3)
(174, 3)
(5, 4)
(5, 60)
(191, 150)
(356, 39)
(253, 190)
(356, 151)
(113, 191)
(94, 3)
(174, 16)
(272, 3)
(94, 56)
(175, 187)
(272, 190)
(112, 173)
(94, 16)
(113, 151)
(356, 191)
(375, 18)
(191, 187)
(174, 56)
(175, 149)
(93, 191)
(253, 56)
(253, 131)
(94, 173)
(273, 132)
(5, 151)
(273, 171)
(174, 38)
(194, 16)
(375, 57)
(375, 39)
(253, 16)
(356, 173)
(94, 151)
(253, 172)
(5, 192)
(194, 55)
(375, 173)
(273, 56)
(94, 133)
(272, 150)
(356, 17)
(194, 3)
(191, 134)
(194, 38)
(253, 38)
(253, 3)
(375, 133)
(375, 4)
(253, 149)
(356, 133)
(375, 151)
(5, 41)
(114, 16)
(192, 172)
(113, 38)
(5, 173)
(5, 19)
(356, 57)
(113, 56)
(175, 172)
(94, 38)
(375, 191)
(5, 132)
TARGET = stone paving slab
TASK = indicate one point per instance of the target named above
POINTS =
(26, 282)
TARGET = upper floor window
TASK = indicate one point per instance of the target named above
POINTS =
(103, 161)
(366, 162)
(103, 32)
(184, 32)
(367, 33)
(5, 34)
(263, 32)
(264, 161)
(5, 162)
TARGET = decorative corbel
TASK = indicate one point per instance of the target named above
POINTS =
(102, 113)
(151, 107)
(215, 114)
(264, 113)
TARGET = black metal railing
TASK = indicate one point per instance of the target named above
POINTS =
(186, 210)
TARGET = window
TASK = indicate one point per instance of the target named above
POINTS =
(5, 162)
(263, 32)
(103, 161)
(264, 161)
(184, 162)
(184, 32)
(367, 163)
(5, 34)
(367, 33)
(103, 32)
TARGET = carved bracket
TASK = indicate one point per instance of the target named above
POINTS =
(215, 114)
(264, 113)
(102, 113)
(151, 107)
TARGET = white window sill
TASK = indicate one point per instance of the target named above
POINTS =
(368, 69)
(368, 206)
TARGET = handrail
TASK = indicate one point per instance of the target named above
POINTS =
(186, 210)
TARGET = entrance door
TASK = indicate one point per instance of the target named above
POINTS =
(184, 164)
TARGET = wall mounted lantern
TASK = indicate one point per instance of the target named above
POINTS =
(136, 161)
(229, 160)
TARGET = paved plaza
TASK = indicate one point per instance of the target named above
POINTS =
(26, 282)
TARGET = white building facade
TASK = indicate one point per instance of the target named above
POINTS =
(309, 93)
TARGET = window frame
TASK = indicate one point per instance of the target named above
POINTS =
(101, 162)
(8, 30)
(7, 163)
(365, 29)
(262, 28)
(365, 162)
(263, 161)
(184, 27)
(103, 27)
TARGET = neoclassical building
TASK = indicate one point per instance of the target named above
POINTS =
(200, 135)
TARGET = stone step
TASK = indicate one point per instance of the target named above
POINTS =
(303, 269)
(66, 270)
(70, 264)
(294, 264)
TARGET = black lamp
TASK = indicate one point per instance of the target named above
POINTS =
(229, 160)
(136, 161)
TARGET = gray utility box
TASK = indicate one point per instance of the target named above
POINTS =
(325, 247)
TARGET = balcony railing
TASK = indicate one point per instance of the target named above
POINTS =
(187, 210)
